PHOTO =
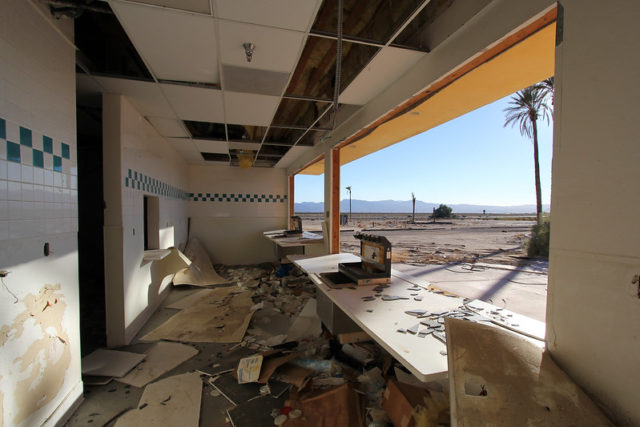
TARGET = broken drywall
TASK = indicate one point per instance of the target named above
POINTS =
(39, 373)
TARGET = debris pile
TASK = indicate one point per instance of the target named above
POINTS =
(254, 348)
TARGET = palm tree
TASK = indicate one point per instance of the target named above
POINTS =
(547, 86)
(525, 108)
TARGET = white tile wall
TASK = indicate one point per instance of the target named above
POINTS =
(40, 200)
(37, 92)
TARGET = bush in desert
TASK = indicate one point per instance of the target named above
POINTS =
(538, 244)
(442, 211)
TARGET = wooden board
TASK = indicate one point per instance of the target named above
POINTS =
(110, 363)
(225, 321)
(173, 401)
(523, 385)
(161, 358)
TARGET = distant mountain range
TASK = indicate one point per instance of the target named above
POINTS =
(404, 206)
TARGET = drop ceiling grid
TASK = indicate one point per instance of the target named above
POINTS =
(298, 14)
(175, 45)
(275, 49)
(169, 127)
(195, 6)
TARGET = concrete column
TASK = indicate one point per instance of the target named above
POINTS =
(593, 306)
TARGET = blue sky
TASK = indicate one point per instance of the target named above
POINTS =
(472, 159)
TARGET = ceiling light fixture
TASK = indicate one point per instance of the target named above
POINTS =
(248, 50)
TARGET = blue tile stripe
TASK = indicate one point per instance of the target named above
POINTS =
(237, 198)
(139, 181)
(24, 137)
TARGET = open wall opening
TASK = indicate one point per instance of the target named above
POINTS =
(90, 224)
(151, 222)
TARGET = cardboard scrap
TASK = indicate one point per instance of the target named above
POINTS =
(173, 401)
(497, 377)
(200, 272)
(340, 406)
(110, 363)
(161, 358)
(294, 374)
(400, 400)
(271, 360)
(226, 321)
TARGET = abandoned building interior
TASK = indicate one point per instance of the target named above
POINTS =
(129, 127)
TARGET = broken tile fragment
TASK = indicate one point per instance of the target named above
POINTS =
(419, 298)
(401, 330)
(414, 329)
(416, 312)
(392, 297)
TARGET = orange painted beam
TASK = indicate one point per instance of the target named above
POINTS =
(291, 200)
(335, 201)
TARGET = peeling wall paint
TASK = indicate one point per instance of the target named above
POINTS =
(39, 374)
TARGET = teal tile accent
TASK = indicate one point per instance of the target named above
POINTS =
(65, 151)
(139, 181)
(25, 137)
(13, 152)
(3, 129)
(47, 144)
(38, 159)
(233, 197)
(57, 163)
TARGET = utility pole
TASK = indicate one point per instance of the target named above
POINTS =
(349, 190)
(413, 215)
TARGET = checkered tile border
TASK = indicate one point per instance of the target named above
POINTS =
(241, 198)
(21, 150)
(138, 181)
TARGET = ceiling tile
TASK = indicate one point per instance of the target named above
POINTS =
(242, 79)
(168, 127)
(386, 67)
(250, 109)
(175, 45)
(198, 6)
(195, 103)
(145, 96)
(187, 149)
(275, 49)
(207, 146)
(292, 155)
(299, 15)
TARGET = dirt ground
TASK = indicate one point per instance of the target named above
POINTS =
(472, 238)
